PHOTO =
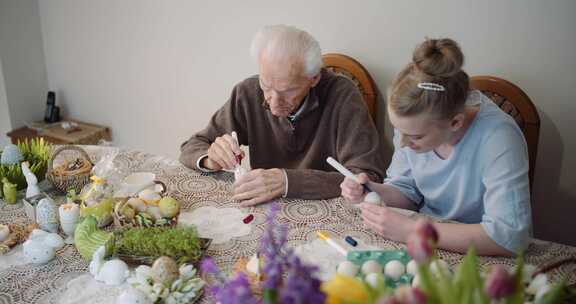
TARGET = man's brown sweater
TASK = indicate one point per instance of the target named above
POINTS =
(334, 122)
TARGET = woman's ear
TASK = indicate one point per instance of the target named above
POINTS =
(457, 122)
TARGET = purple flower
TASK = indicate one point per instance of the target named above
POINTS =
(499, 283)
(427, 230)
(235, 291)
(207, 265)
(300, 286)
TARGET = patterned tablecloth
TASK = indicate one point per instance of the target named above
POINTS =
(27, 283)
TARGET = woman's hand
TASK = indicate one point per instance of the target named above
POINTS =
(386, 222)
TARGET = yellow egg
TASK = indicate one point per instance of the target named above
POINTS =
(149, 196)
(165, 270)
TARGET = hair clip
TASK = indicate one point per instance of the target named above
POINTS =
(431, 86)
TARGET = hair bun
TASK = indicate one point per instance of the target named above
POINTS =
(438, 58)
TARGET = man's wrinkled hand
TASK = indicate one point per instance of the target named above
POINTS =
(259, 186)
(222, 153)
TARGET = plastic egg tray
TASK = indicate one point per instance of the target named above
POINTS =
(382, 257)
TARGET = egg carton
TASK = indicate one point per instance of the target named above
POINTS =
(382, 258)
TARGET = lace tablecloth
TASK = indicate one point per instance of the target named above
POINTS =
(65, 276)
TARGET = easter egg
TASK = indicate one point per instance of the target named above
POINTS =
(165, 270)
(137, 204)
(169, 207)
(149, 196)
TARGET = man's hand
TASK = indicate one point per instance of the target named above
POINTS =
(386, 222)
(259, 186)
(222, 153)
(352, 191)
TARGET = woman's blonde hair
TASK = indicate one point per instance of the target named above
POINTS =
(433, 82)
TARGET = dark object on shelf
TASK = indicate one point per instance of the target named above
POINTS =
(52, 113)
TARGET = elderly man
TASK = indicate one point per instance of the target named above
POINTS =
(292, 116)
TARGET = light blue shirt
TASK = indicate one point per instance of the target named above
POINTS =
(484, 180)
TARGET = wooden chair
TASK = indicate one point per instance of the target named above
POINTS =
(512, 100)
(352, 69)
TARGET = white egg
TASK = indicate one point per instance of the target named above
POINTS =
(370, 267)
(149, 196)
(412, 267)
(373, 279)
(113, 272)
(416, 281)
(373, 198)
(348, 268)
(435, 267)
(394, 269)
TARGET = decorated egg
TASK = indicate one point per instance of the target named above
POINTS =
(165, 270)
(137, 204)
(347, 268)
(149, 196)
(394, 269)
(412, 267)
(370, 267)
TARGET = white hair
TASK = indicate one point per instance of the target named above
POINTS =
(282, 42)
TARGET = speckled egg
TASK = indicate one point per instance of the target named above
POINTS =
(394, 269)
(347, 268)
(165, 270)
(370, 267)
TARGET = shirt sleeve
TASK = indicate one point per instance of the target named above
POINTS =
(507, 213)
(399, 174)
(227, 119)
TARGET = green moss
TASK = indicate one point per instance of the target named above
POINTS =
(180, 243)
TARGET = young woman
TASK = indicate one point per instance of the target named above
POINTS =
(457, 156)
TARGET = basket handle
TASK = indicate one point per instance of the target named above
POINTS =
(164, 188)
(63, 148)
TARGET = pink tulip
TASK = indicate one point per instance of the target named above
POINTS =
(427, 229)
(422, 242)
(499, 283)
(410, 295)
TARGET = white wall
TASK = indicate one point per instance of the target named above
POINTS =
(155, 71)
(5, 123)
(23, 65)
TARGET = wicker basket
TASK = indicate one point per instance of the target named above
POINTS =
(65, 180)
(120, 221)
